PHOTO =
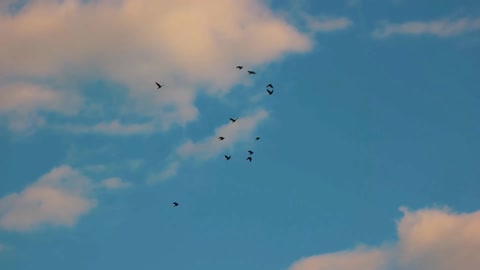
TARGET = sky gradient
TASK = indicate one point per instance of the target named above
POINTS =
(369, 149)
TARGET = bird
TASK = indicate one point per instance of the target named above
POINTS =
(228, 157)
(269, 85)
(249, 159)
(233, 120)
(270, 92)
(175, 204)
(239, 67)
(250, 72)
(250, 152)
(159, 85)
(221, 138)
(258, 138)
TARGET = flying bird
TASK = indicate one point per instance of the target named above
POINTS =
(159, 85)
(251, 72)
(258, 138)
(228, 157)
(250, 152)
(270, 92)
(221, 138)
(239, 67)
(270, 85)
(249, 159)
(233, 120)
(175, 204)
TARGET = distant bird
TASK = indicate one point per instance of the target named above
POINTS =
(221, 138)
(175, 204)
(228, 157)
(239, 67)
(270, 92)
(249, 159)
(251, 72)
(270, 85)
(159, 85)
(250, 152)
(233, 120)
(258, 138)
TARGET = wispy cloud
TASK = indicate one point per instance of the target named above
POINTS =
(327, 24)
(429, 239)
(115, 183)
(441, 28)
(209, 147)
(142, 42)
(58, 198)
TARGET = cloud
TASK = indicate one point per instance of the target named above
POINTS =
(441, 28)
(170, 171)
(428, 239)
(130, 165)
(236, 132)
(190, 46)
(115, 183)
(327, 24)
(57, 198)
(23, 104)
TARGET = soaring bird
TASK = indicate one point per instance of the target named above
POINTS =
(221, 138)
(159, 85)
(270, 85)
(251, 72)
(228, 157)
(239, 67)
(250, 152)
(233, 120)
(249, 159)
(269, 92)
(175, 204)
(258, 138)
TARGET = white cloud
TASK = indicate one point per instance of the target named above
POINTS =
(115, 183)
(170, 171)
(428, 239)
(57, 198)
(441, 28)
(327, 24)
(187, 45)
(236, 132)
(23, 103)
(130, 165)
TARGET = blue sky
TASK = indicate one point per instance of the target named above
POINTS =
(369, 150)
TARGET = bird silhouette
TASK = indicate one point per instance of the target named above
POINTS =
(233, 120)
(221, 138)
(249, 159)
(270, 92)
(250, 72)
(250, 152)
(239, 67)
(175, 204)
(159, 85)
(228, 157)
(270, 85)
(258, 138)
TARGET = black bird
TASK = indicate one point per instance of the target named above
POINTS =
(175, 204)
(270, 92)
(251, 72)
(249, 159)
(228, 157)
(258, 138)
(250, 152)
(159, 85)
(239, 67)
(233, 120)
(270, 85)
(221, 138)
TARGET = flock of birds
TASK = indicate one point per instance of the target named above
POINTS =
(269, 89)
